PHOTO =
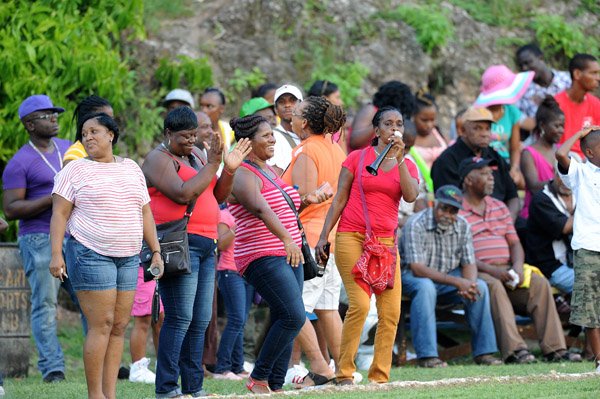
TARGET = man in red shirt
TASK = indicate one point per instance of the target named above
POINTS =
(581, 108)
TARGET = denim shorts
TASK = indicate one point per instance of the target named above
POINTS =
(90, 271)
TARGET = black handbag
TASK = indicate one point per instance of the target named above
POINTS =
(310, 266)
(174, 245)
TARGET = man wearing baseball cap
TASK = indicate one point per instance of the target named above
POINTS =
(178, 98)
(500, 263)
(474, 141)
(28, 180)
(438, 266)
(286, 98)
(259, 106)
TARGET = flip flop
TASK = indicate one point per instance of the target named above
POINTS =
(260, 386)
(317, 380)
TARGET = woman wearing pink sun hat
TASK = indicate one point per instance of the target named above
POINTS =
(500, 90)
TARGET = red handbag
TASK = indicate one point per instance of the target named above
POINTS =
(375, 270)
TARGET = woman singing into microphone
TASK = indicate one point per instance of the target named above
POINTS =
(396, 178)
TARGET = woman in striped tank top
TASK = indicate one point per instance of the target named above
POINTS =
(267, 250)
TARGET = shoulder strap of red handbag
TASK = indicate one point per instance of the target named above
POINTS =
(361, 164)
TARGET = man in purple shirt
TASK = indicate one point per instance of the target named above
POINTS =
(27, 182)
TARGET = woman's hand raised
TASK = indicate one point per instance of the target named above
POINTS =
(235, 157)
(215, 149)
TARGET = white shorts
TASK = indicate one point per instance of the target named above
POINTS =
(323, 293)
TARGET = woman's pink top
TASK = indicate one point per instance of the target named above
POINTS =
(430, 154)
(545, 172)
(253, 239)
(206, 212)
(382, 193)
(226, 261)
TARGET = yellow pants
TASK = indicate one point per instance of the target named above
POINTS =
(348, 248)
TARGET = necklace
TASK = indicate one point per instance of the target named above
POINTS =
(60, 160)
(377, 152)
(170, 152)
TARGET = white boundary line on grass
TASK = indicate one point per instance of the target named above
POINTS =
(447, 382)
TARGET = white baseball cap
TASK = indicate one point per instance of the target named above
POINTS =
(180, 95)
(293, 90)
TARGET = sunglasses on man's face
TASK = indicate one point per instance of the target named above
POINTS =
(53, 115)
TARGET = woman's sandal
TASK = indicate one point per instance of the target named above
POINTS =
(522, 356)
(317, 379)
(257, 387)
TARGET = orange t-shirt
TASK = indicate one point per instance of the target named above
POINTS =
(328, 157)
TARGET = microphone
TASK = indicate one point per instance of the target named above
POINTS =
(372, 169)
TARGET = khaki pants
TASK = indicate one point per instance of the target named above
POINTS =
(536, 301)
(348, 248)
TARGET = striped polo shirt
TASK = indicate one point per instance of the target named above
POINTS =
(493, 231)
(107, 203)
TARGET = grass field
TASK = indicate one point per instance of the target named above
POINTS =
(540, 380)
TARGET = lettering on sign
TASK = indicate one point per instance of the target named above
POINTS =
(13, 278)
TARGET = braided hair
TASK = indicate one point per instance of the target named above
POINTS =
(397, 95)
(322, 116)
(247, 126)
(89, 105)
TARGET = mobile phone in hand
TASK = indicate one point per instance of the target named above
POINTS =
(326, 249)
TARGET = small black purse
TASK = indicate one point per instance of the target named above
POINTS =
(310, 266)
(174, 245)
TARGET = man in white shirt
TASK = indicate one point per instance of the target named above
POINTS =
(584, 180)
(286, 98)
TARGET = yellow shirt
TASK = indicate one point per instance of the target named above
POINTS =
(226, 133)
(75, 151)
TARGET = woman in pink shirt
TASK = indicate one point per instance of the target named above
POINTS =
(396, 179)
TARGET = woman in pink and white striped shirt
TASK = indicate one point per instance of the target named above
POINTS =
(267, 249)
(103, 203)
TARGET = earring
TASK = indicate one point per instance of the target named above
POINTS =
(110, 140)
(542, 131)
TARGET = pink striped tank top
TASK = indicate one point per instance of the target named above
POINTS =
(253, 240)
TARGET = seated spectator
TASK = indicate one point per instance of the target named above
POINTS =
(537, 159)
(474, 140)
(581, 107)
(546, 82)
(438, 265)
(498, 252)
(550, 225)
(500, 90)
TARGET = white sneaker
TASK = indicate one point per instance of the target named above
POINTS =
(248, 367)
(139, 372)
(295, 375)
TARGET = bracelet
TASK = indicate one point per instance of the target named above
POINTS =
(156, 252)
(303, 199)
(401, 162)
(228, 172)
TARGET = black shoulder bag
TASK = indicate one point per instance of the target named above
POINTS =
(174, 245)
(311, 268)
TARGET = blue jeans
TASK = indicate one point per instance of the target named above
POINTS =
(424, 294)
(36, 253)
(237, 296)
(281, 286)
(187, 302)
(563, 278)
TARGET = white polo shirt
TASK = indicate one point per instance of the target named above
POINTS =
(584, 180)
